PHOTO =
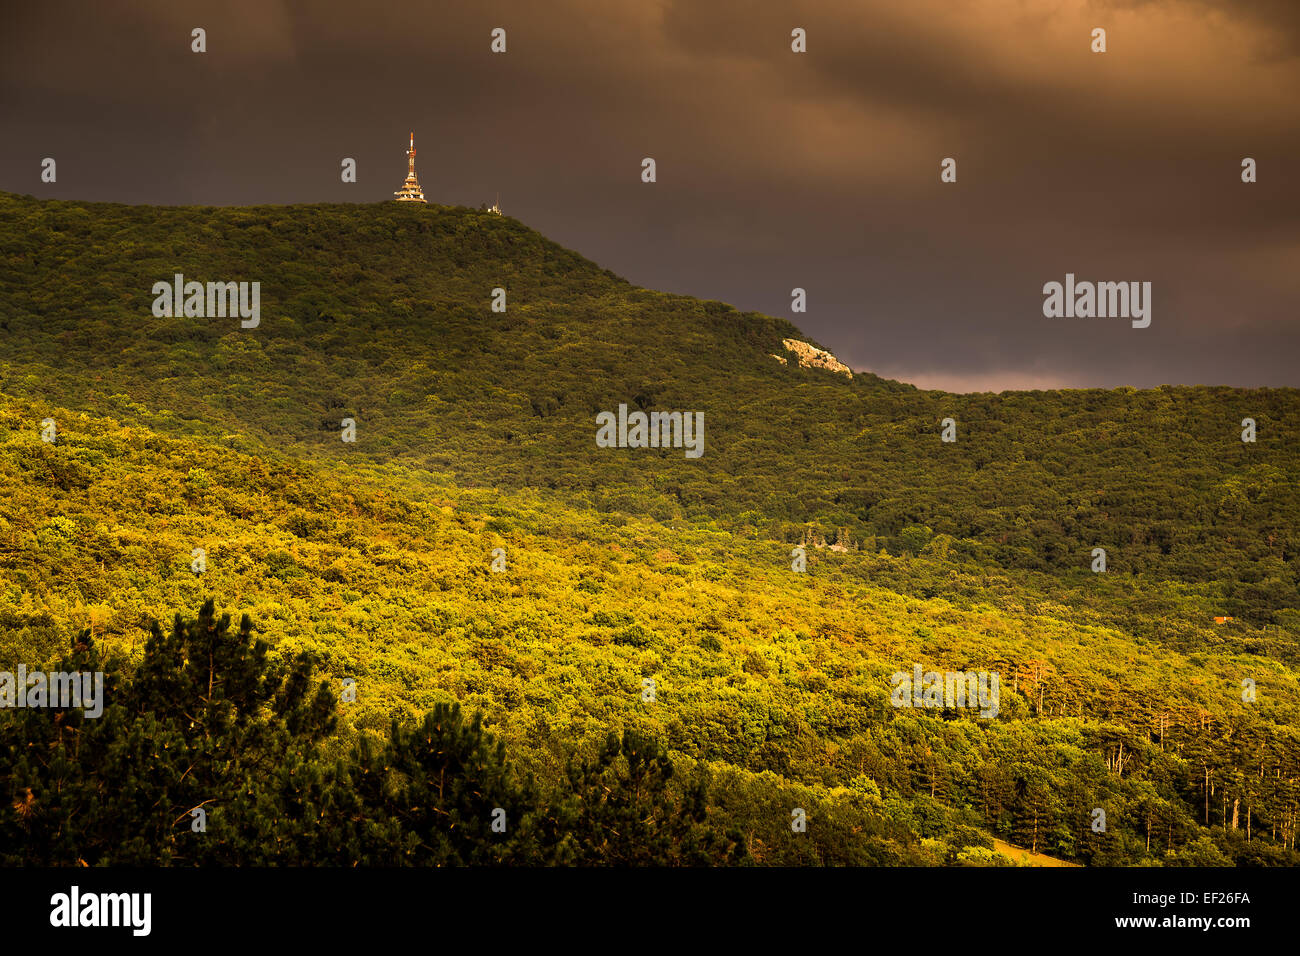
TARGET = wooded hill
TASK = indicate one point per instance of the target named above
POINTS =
(475, 431)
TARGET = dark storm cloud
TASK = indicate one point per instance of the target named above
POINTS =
(1277, 21)
(776, 170)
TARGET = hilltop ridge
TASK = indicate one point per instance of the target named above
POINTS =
(383, 314)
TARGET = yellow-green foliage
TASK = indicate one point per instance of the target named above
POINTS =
(757, 669)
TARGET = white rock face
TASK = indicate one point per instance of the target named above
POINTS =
(810, 357)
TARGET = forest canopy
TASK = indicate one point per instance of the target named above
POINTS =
(482, 572)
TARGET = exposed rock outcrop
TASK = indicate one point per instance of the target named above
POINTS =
(810, 357)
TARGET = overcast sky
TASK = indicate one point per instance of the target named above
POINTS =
(775, 169)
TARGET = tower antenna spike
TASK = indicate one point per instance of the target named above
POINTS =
(410, 191)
